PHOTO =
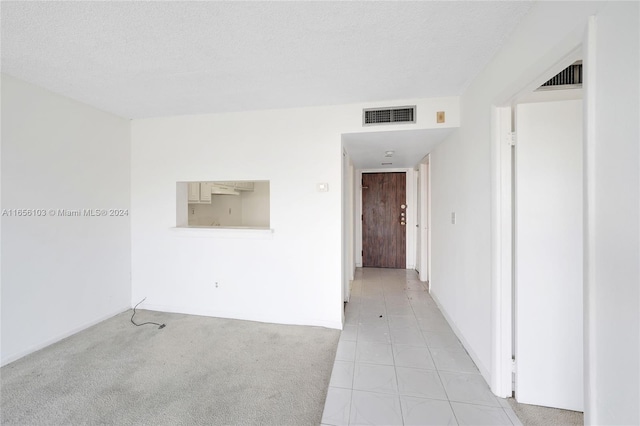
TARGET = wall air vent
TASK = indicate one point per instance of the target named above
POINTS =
(395, 115)
(569, 78)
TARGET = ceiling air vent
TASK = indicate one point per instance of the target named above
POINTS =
(396, 115)
(569, 78)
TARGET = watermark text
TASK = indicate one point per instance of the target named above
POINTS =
(65, 212)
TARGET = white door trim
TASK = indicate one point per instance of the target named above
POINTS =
(423, 263)
(589, 178)
(501, 268)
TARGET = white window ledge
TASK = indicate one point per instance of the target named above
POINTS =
(224, 232)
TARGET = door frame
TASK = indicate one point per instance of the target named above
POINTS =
(411, 213)
(423, 237)
(348, 219)
(580, 43)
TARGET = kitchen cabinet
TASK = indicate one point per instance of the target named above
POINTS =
(239, 185)
(244, 186)
(194, 192)
(199, 192)
(205, 192)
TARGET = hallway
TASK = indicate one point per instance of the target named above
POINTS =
(399, 363)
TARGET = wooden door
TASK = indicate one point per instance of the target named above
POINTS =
(384, 220)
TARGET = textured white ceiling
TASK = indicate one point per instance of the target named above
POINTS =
(144, 59)
(367, 149)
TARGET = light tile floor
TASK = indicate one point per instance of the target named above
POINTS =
(399, 363)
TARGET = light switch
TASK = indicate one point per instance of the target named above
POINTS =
(323, 187)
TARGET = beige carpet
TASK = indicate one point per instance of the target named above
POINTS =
(534, 415)
(195, 371)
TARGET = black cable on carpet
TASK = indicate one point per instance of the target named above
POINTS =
(144, 323)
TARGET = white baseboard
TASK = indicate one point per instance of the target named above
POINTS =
(243, 316)
(483, 370)
(16, 356)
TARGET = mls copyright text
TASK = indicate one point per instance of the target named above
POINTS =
(65, 212)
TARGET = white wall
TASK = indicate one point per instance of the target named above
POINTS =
(614, 248)
(292, 275)
(460, 276)
(462, 182)
(61, 274)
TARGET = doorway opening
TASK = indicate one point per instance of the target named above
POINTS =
(388, 151)
(548, 252)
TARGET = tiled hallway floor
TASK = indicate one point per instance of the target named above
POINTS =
(399, 363)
